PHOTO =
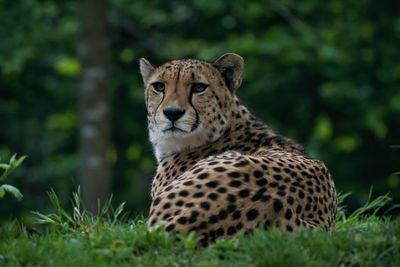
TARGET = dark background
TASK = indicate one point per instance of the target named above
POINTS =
(325, 73)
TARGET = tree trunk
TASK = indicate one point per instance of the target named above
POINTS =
(94, 104)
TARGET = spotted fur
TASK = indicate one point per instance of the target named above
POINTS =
(220, 170)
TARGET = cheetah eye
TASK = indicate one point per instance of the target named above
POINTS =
(199, 87)
(158, 87)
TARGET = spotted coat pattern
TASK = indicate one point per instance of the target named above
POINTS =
(240, 175)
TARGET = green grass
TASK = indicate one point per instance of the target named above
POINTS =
(110, 239)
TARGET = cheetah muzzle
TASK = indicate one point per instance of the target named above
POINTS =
(220, 170)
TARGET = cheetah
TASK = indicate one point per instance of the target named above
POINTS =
(220, 170)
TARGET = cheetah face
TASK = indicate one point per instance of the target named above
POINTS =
(189, 101)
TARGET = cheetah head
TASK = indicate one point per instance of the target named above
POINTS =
(189, 102)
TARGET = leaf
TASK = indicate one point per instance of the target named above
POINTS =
(13, 158)
(13, 190)
(2, 192)
(19, 161)
(5, 174)
(69, 67)
(9, 168)
(4, 166)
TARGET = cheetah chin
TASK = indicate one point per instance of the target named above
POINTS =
(170, 142)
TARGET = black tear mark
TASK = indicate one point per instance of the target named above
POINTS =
(159, 104)
(197, 122)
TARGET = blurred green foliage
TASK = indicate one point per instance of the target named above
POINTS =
(6, 171)
(326, 73)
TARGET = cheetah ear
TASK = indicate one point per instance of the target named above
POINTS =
(231, 67)
(146, 69)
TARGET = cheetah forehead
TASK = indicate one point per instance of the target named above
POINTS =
(189, 70)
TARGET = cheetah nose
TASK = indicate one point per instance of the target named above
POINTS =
(173, 114)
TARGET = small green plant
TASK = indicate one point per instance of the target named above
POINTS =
(7, 170)
(190, 241)
(79, 219)
(370, 208)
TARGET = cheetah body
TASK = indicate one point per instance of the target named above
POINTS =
(220, 170)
